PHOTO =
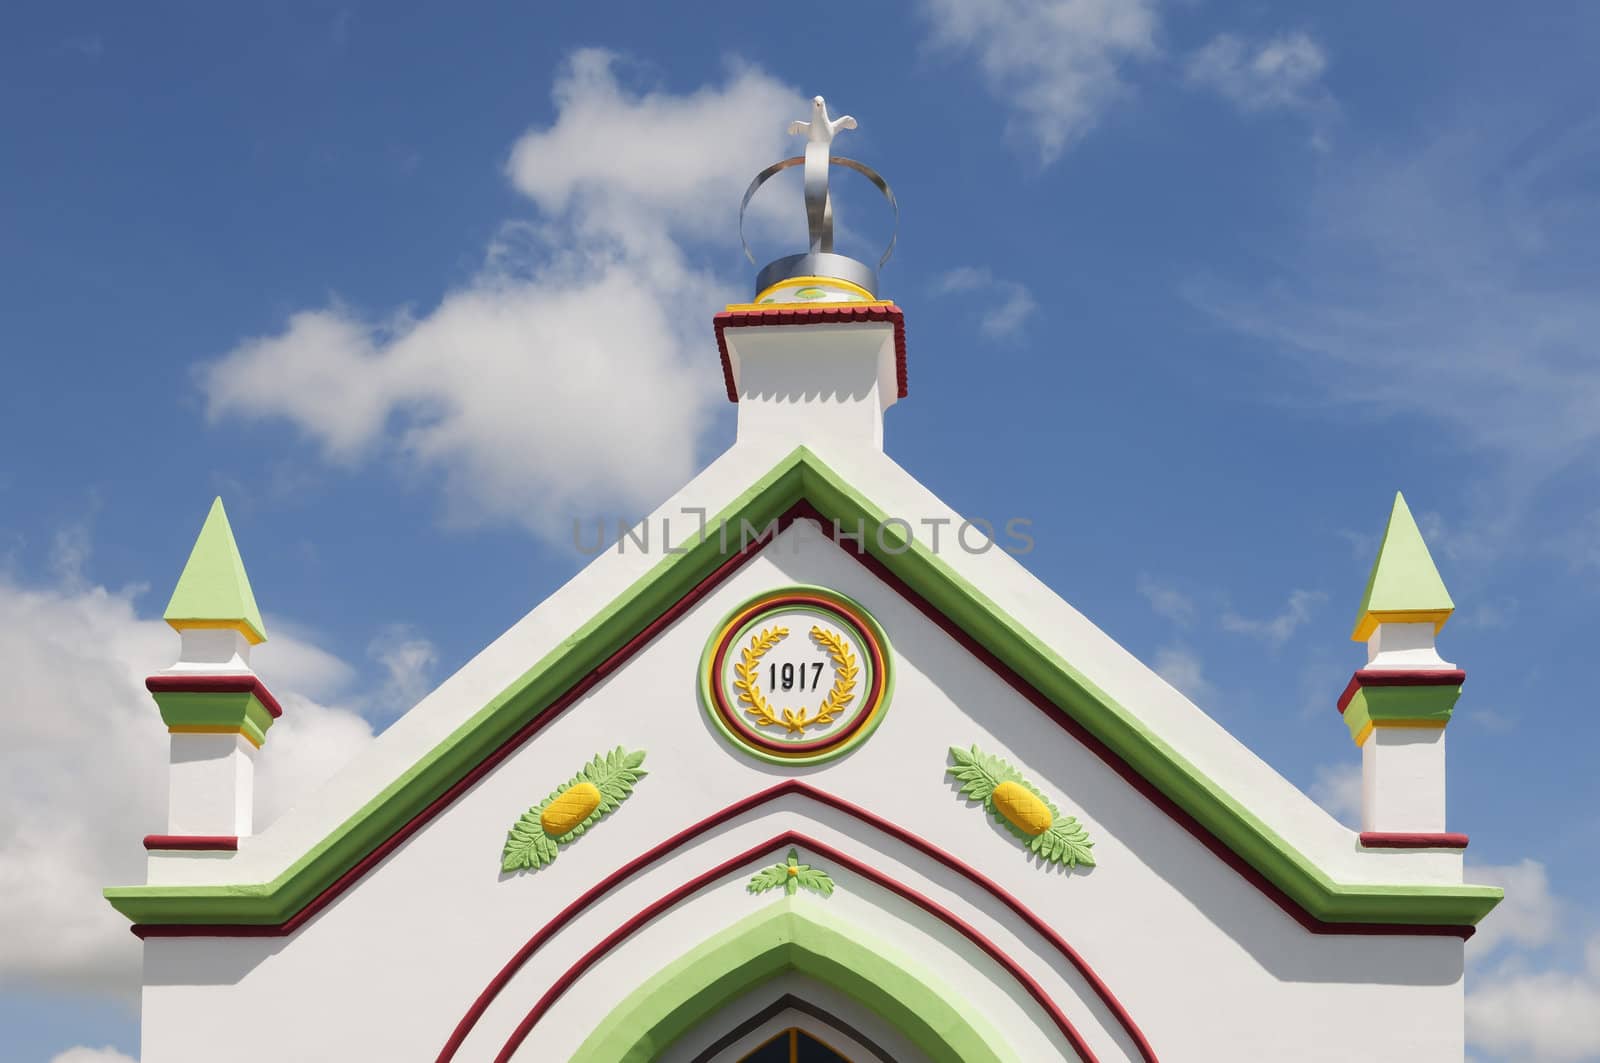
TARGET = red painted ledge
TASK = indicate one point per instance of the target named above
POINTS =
(194, 843)
(207, 683)
(1398, 677)
(812, 315)
(1385, 839)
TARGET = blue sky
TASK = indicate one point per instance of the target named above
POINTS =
(1194, 287)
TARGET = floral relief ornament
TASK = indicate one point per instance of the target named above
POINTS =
(792, 875)
(595, 792)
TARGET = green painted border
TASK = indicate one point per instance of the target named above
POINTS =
(855, 740)
(212, 708)
(802, 475)
(778, 939)
(1375, 703)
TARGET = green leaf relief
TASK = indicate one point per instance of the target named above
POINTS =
(1064, 842)
(529, 846)
(792, 876)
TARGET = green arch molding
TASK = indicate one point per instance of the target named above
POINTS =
(801, 477)
(781, 938)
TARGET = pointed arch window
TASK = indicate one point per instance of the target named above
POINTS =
(794, 1045)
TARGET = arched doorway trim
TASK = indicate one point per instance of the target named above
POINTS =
(787, 937)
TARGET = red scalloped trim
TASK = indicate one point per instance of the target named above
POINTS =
(1396, 677)
(843, 859)
(198, 843)
(204, 683)
(1387, 839)
(795, 788)
(812, 315)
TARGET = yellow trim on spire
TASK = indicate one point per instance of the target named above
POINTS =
(212, 729)
(830, 282)
(1368, 624)
(250, 634)
(1419, 725)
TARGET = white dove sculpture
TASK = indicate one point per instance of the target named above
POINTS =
(819, 133)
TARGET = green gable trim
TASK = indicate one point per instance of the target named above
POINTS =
(1403, 578)
(772, 942)
(1420, 705)
(214, 587)
(799, 476)
(241, 709)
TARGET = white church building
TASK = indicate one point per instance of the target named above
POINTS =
(807, 768)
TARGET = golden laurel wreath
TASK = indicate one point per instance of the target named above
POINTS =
(747, 672)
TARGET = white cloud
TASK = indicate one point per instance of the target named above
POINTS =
(1337, 788)
(570, 376)
(407, 659)
(83, 773)
(1181, 667)
(1528, 916)
(1166, 600)
(1005, 305)
(1276, 73)
(1522, 1007)
(1536, 1016)
(1277, 630)
(85, 1054)
(1055, 63)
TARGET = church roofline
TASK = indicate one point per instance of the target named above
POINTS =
(576, 664)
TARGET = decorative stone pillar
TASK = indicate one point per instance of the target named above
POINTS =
(1397, 707)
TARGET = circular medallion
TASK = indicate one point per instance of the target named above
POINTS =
(797, 675)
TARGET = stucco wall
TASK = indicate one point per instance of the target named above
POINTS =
(1207, 965)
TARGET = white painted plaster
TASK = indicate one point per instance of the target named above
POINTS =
(211, 785)
(794, 388)
(221, 650)
(1404, 646)
(1402, 780)
(1210, 967)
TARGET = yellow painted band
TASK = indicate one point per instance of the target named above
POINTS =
(211, 729)
(1369, 621)
(798, 305)
(1419, 725)
(251, 635)
(828, 282)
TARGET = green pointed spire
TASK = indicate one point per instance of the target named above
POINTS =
(214, 590)
(1404, 586)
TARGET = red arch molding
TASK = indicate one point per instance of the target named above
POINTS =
(795, 787)
(839, 857)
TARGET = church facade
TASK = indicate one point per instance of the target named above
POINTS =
(807, 768)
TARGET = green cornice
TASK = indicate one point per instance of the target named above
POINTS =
(802, 475)
(240, 709)
(776, 940)
(1421, 705)
(1404, 578)
(214, 588)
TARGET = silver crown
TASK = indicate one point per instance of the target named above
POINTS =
(820, 260)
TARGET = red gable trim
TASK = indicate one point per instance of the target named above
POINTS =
(803, 510)
(811, 315)
(1383, 839)
(198, 843)
(1411, 677)
(206, 683)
